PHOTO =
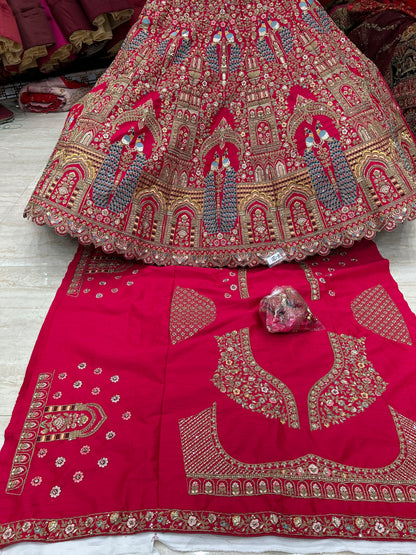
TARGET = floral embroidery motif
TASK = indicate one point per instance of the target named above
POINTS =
(375, 310)
(210, 470)
(190, 313)
(245, 382)
(242, 524)
(350, 387)
(55, 492)
(94, 262)
(70, 421)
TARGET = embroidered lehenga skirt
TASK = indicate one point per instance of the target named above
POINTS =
(225, 132)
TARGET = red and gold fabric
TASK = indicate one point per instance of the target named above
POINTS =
(156, 400)
(220, 135)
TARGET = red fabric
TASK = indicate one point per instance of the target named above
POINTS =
(6, 115)
(51, 95)
(372, 6)
(32, 23)
(70, 16)
(152, 351)
(94, 8)
(8, 26)
(211, 185)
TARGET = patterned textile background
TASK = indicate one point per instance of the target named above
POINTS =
(217, 136)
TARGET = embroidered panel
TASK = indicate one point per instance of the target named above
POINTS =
(93, 262)
(242, 283)
(50, 423)
(29, 435)
(210, 470)
(375, 310)
(70, 421)
(240, 524)
(156, 123)
(252, 475)
(240, 377)
(349, 388)
(313, 281)
(190, 313)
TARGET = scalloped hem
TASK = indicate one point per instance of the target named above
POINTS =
(111, 241)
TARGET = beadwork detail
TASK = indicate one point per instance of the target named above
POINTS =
(210, 470)
(242, 283)
(375, 310)
(349, 388)
(313, 281)
(216, 137)
(240, 377)
(190, 313)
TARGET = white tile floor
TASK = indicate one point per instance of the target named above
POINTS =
(33, 259)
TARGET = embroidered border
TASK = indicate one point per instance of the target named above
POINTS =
(94, 262)
(240, 377)
(313, 281)
(28, 437)
(210, 470)
(242, 283)
(375, 310)
(238, 524)
(349, 388)
(79, 273)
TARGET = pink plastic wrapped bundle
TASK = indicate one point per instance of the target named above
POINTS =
(285, 311)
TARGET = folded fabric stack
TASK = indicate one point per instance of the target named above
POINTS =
(56, 94)
(44, 34)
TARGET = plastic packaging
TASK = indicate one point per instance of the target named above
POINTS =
(285, 311)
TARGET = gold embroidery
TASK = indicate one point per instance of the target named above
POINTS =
(241, 524)
(313, 281)
(50, 423)
(375, 310)
(70, 421)
(243, 380)
(210, 470)
(242, 283)
(95, 262)
(28, 437)
(190, 313)
(350, 387)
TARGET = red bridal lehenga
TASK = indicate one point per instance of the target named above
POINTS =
(155, 400)
(224, 132)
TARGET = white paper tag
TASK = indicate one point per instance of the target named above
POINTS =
(275, 258)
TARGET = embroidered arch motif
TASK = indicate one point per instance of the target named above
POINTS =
(240, 377)
(349, 388)
(45, 423)
(66, 185)
(382, 184)
(350, 95)
(146, 220)
(182, 138)
(259, 223)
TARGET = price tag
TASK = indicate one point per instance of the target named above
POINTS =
(275, 258)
